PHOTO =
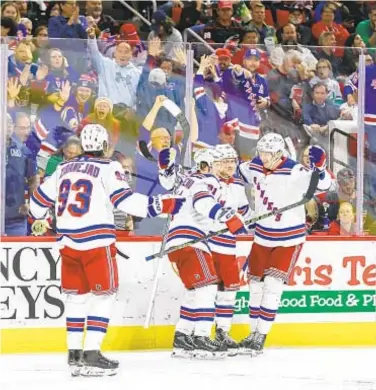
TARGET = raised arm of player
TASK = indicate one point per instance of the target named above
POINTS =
(166, 168)
(317, 158)
(133, 203)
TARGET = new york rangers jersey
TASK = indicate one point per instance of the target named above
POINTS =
(195, 218)
(84, 191)
(285, 185)
(232, 194)
(243, 105)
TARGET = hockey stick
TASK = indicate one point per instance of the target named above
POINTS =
(180, 117)
(121, 254)
(142, 145)
(307, 197)
(145, 151)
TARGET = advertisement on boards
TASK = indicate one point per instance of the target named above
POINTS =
(331, 281)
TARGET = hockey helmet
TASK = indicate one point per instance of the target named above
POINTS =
(94, 138)
(203, 156)
(226, 151)
(271, 143)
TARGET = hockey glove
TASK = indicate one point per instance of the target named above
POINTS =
(166, 158)
(232, 219)
(317, 159)
(164, 205)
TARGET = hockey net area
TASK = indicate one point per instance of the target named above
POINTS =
(315, 95)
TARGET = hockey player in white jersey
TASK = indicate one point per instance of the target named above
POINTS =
(223, 247)
(84, 192)
(278, 181)
(194, 263)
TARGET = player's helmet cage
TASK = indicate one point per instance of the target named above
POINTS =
(226, 151)
(203, 156)
(94, 137)
(271, 143)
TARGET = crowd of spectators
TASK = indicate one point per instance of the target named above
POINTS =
(284, 66)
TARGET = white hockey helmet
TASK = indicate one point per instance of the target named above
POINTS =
(93, 138)
(217, 156)
(226, 151)
(203, 156)
(271, 143)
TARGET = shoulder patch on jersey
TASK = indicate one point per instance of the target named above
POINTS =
(288, 163)
(198, 175)
(257, 161)
(255, 165)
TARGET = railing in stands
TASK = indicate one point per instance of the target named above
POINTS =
(136, 13)
(199, 39)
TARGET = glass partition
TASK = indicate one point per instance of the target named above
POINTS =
(56, 86)
(232, 93)
(306, 94)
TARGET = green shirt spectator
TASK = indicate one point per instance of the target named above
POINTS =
(71, 149)
(52, 164)
(367, 29)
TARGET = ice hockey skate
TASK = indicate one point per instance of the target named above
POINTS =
(75, 361)
(183, 346)
(252, 345)
(206, 348)
(223, 337)
(257, 347)
(245, 346)
(95, 364)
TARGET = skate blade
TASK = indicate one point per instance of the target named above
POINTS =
(207, 355)
(180, 353)
(96, 371)
(244, 351)
(256, 353)
(232, 352)
(75, 370)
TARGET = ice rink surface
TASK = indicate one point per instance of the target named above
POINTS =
(277, 369)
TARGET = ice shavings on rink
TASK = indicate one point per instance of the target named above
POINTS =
(278, 369)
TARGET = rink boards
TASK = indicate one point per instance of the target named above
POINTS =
(330, 300)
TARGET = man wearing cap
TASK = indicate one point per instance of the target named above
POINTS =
(248, 40)
(220, 29)
(304, 33)
(224, 59)
(250, 100)
(118, 77)
(128, 33)
(162, 27)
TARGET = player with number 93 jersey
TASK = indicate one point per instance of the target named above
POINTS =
(84, 191)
